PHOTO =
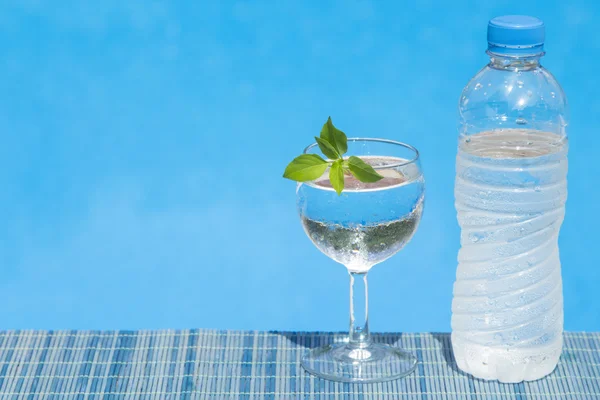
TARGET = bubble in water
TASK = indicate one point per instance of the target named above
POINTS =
(478, 86)
(520, 84)
(521, 121)
(553, 94)
(529, 93)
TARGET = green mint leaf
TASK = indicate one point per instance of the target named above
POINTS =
(306, 167)
(327, 149)
(362, 171)
(336, 176)
(335, 137)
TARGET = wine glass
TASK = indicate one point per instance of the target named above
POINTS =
(367, 224)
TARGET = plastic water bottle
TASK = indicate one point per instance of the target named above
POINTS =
(510, 191)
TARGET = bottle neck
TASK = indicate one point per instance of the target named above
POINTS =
(514, 63)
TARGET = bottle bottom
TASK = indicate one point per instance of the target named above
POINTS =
(506, 364)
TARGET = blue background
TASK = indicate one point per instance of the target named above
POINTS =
(142, 146)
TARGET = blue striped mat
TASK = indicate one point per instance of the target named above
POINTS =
(210, 364)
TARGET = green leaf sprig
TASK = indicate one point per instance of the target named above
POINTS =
(333, 144)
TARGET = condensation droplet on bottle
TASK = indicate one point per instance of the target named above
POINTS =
(476, 237)
(521, 121)
(478, 86)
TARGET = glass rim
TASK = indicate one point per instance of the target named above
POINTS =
(378, 140)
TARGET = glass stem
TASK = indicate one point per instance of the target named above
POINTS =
(359, 310)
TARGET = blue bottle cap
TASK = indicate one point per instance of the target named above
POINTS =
(516, 35)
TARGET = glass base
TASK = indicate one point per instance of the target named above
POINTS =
(374, 363)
